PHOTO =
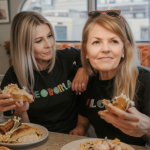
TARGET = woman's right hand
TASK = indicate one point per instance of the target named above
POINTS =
(6, 103)
(79, 130)
(22, 106)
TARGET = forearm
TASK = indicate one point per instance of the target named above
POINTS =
(83, 121)
(24, 116)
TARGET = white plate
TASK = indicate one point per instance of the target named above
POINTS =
(21, 145)
(76, 144)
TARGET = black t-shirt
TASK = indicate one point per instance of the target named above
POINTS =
(55, 105)
(98, 90)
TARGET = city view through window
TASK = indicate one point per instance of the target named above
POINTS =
(69, 16)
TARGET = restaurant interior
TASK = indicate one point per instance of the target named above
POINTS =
(67, 18)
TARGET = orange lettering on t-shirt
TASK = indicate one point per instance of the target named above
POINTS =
(50, 91)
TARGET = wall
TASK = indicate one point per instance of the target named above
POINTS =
(4, 34)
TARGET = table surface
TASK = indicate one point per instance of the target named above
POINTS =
(56, 140)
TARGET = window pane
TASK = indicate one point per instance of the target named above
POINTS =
(66, 16)
(135, 11)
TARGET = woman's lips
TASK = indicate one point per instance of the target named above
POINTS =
(47, 53)
(105, 58)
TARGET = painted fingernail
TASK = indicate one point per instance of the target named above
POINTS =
(103, 117)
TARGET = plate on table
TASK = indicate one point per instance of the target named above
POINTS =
(20, 145)
(76, 144)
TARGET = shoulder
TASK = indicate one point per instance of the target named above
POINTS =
(143, 72)
(10, 71)
(67, 51)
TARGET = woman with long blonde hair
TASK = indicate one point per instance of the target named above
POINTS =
(46, 73)
(109, 54)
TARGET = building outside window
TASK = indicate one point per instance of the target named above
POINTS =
(66, 16)
(136, 13)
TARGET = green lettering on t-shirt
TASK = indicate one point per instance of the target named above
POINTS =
(69, 83)
(56, 90)
(44, 93)
(36, 94)
(64, 86)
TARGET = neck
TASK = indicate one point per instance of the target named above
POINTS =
(42, 65)
(106, 75)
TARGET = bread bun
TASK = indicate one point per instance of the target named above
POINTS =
(16, 93)
(121, 102)
(4, 148)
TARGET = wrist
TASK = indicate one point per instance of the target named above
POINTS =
(19, 114)
(82, 126)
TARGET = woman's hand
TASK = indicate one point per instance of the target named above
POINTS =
(6, 103)
(132, 122)
(80, 81)
(79, 130)
(22, 106)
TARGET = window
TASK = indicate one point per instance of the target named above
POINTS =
(61, 33)
(135, 12)
(67, 16)
(145, 33)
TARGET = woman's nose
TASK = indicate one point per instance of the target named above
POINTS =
(105, 47)
(48, 43)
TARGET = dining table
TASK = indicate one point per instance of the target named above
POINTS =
(55, 141)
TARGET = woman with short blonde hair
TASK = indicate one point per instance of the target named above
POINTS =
(109, 55)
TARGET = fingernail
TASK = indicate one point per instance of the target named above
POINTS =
(103, 117)
(79, 93)
(76, 93)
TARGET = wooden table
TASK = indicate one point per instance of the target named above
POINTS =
(56, 140)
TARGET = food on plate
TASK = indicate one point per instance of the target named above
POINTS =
(121, 102)
(6, 126)
(20, 133)
(102, 145)
(16, 93)
(4, 148)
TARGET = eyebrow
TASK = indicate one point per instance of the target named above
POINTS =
(100, 38)
(41, 37)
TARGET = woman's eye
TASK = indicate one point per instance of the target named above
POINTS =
(50, 35)
(114, 41)
(95, 42)
(38, 41)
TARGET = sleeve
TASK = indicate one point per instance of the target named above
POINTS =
(143, 95)
(146, 94)
(82, 106)
(72, 56)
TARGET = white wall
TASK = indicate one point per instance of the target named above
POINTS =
(4, 35)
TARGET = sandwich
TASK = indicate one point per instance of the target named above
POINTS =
(25, 134)
(121, 102)
(16, 93)
(17, 133)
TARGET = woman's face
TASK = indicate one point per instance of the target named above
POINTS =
(103, 49)
(43, 44)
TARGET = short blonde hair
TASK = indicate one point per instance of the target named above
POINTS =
(22, 46)
(127, 71)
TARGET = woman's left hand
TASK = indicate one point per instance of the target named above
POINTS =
(80, 81)
(132, 122)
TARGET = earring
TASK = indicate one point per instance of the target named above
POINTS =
(122, 56)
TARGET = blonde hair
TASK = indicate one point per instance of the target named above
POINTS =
(127, 71)
(22, 46)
